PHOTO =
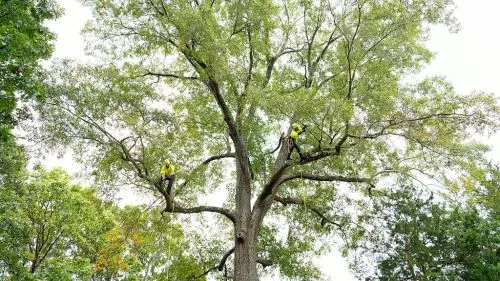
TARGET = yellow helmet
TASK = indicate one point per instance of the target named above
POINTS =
(167, 162)
(295, 126)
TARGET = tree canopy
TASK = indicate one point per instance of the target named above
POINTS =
(24, 41)
(212, 85)
(54, 230)
(415, 238)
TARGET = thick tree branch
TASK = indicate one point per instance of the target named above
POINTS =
(264, 262)
(170, 75)
(206, 76)
(250, 56)
(203, 70)
(273, 181)
(271, 186)
(326, 153)
(308, 176)
(50, 246)
(143, 173)
(217, 157)
(224, 259)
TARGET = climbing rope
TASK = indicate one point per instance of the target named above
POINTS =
(170, 235)
(302, 193)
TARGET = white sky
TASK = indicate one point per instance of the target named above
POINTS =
(469, 59)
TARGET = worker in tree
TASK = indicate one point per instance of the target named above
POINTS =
(167, 173)
(294, 135)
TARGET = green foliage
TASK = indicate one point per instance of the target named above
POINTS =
(24, 40)
(178, 75)
(143, 246)
(482, 186)
(54, 230)
(424, 240)
(12, 159)
(49, 228)
(291, 253)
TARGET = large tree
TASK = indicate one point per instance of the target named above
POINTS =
(236, 74)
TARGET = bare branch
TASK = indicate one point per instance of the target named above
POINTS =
(282, 136)
(206, 162)
(204, 273)
(170, 75)
(224, 259)
(220, 266)
(392, 123)
(217, 157)
(265, 263)
(308, 176)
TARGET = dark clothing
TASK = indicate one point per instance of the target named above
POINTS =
(293, 145)
(170, 179)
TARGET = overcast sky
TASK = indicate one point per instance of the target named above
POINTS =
(469, 59)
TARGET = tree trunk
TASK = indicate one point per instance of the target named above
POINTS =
(245, 256)
(263, 205)
(245, 265)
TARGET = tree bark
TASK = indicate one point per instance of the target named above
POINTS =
(266, 198)
(245, 257)
(245, 260)
(248, 221)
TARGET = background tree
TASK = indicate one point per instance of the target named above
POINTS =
(24, 41)
(143, 246)
(49, 228)
(53, 230)
(238, 73)
(414, 238)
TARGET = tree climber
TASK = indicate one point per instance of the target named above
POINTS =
(292, 139)
(167, 173)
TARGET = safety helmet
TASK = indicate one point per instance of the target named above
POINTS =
(167, 162)
(295, 126)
